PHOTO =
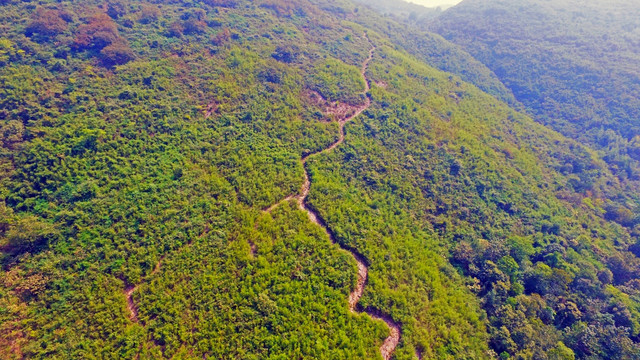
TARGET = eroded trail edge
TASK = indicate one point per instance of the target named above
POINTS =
(391, 342)
(129, 290)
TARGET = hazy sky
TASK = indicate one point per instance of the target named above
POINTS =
(434, 3)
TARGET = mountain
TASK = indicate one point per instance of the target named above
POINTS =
(281, 179)
(409, 33)
(574, 64)
(403, 9)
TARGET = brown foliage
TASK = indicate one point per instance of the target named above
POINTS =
(117, 53)
(47, 23)
(149, 13)
(176, 29)
(194, 26)
(99, 32)
(221, 37)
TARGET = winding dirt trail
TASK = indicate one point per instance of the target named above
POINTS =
(391, 342)
(129, 290)
(131, 305)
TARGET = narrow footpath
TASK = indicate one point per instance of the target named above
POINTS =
(391, 342)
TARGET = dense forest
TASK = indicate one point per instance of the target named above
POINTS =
(406, 30)
(143, 142)
(574, 64)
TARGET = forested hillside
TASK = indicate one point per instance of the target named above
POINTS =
(154, 154)
(575, 64)
(408, 32)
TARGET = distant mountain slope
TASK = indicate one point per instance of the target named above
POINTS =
(575, 64)
(145, 144)
(432, 48)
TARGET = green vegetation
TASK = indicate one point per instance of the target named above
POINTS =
(573, 64)
(141, 141)
(337, 82)
(420, 168)
(409, 34)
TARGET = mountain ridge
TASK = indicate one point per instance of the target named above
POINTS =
(479, 240)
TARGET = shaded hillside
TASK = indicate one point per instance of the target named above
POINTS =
(436, 160)
(409, 34)
(574, 64)
(142, 143)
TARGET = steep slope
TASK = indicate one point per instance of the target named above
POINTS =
(574, 64)
(390, 344)
(436, 160)
(412, 36)
(143, 142)
(437, 52)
